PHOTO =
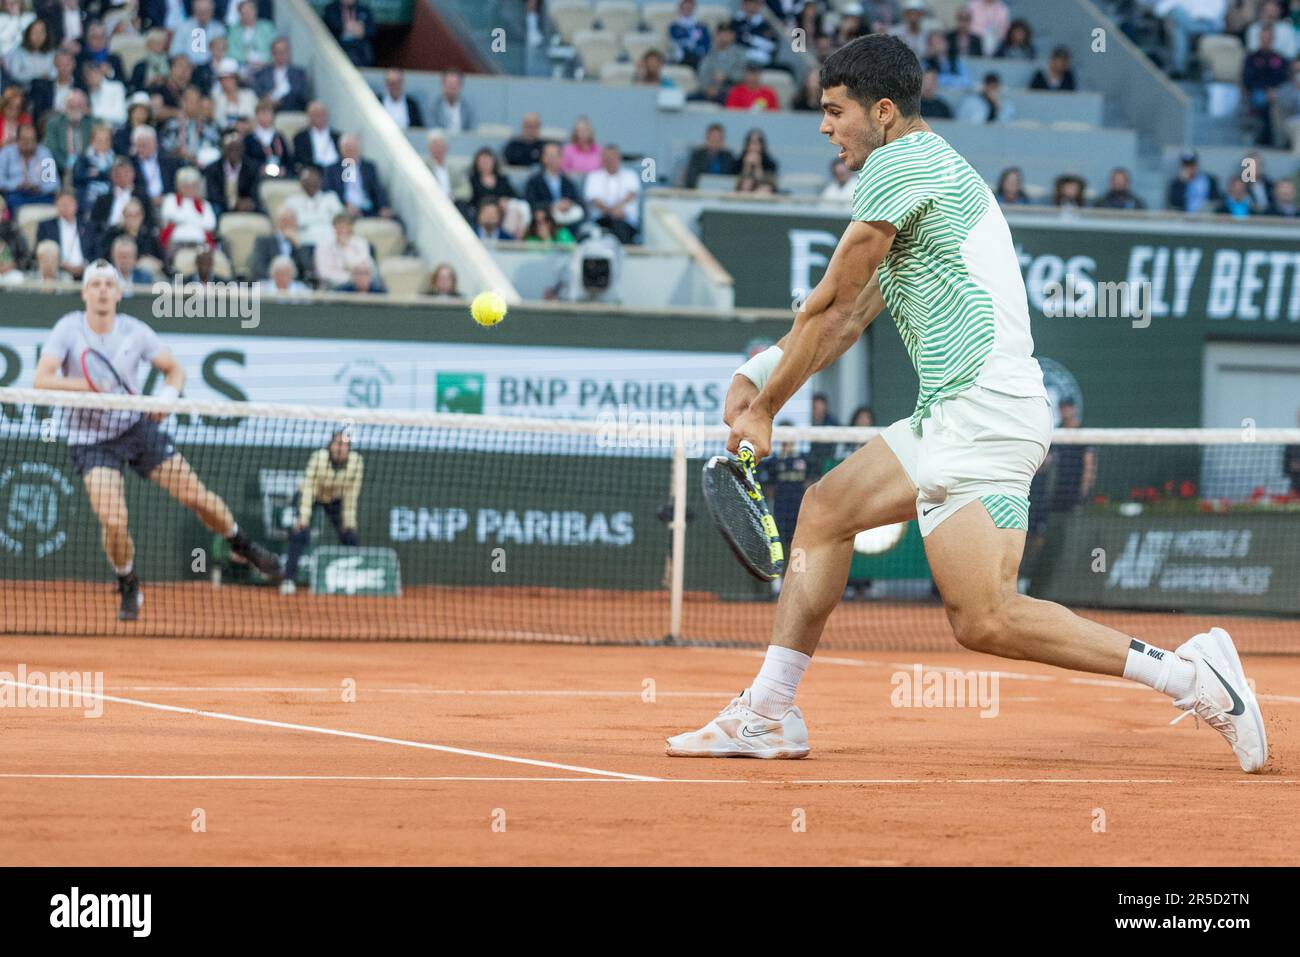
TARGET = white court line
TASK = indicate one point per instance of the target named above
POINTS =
(398, 778)
(355, 735)
(361, 688)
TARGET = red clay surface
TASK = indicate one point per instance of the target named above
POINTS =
(885, 785)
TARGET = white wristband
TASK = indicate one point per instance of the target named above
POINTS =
(759, 369)
(167, 391)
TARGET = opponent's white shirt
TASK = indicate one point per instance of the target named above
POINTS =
(128, 344)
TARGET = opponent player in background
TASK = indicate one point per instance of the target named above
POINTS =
(332, 483)
(102, 441)
(927, 238)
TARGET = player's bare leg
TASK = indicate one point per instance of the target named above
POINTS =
(107, 494)
(975, 564)
(179, 481)
(867, 490)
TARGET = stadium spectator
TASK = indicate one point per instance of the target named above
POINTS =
(1262, 75)
(45, 270)
(1286, 110)
(445, 282)
(186, 41)
(727, 58)
(1011, 188)
(107, 97)
(582, 152)
(809, 97)
(488, 225)
(963, 41)
(1074, 466)
(821, 454)
(1059, 74)
(13, 114)
(124, 257)
(250, 37)
(1068, 191)
(853, 25)
(282, 81)
(437, 162)
(551, 188)
(152, 69)
(840, 188)
(335, 257)
(231, 99)
(1284, 201)
(314, 208)
(155, 173)
(27, 171)
(1239, 15)
(90, 173)
(14, 20)
(66, 21)
(911, 29)
(400, 105)
(190, 136)
(231, 181)
(1284, 34)
(135, 225)
(688, 38)
(353, 26)
(71, 236)
(755, 182)
(1119, 193)
(108, 209)
(752, 94)
(989, 105)
(650, 70)
(754, 33)
(67, 133)
(1192, 190)
(318, 144)
(265, 145)
(755, 153)
(952, 72)
(1236, 199)
(284, 242)
(526, 148)
(363, 277)
(139, 112)
(95, 50)
(1258, 183)
(933, 107)
(33, 58)
(487, 184)
(356, 181)
(14, 254)
(543, 229)
(282, 280)
(613, 196)
(52, 93)
(712, 89)
(452, 112)
(990, 20)
(171, 92)
(187, 219)
(1018, 44)
(123, 20)
(712, 159)
(1186, 20)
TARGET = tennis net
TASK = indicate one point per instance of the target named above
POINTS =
(481, 528)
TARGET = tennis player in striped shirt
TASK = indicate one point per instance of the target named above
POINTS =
(928, 240)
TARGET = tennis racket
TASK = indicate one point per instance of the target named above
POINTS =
(740, 512)
(102, 375)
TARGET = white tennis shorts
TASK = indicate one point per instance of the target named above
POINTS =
(977, 444)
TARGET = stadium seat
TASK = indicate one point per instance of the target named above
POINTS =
(495, 131)
(782, 84)
(290, 123)
(683, 76)
(238, 232)
(716, 183)
(405, 275)
(274, 192)
(570, 16)
(596, 48)
(130, 48)
(385, 235)
(658, 16)
(945, 11)
(637, 42)
(31, 216)
(802, 184)
(615, 72)
(556, 134)
(1224, 55)
(617, 17)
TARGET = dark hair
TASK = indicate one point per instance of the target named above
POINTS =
(27, 36)
(715, 126)
(876, 67)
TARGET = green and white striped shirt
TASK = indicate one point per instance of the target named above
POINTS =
(951, 278)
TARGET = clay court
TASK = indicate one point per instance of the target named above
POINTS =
(529, 753)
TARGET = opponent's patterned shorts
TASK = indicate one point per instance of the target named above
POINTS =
(978, 444)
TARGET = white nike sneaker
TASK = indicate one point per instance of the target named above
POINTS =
(1222, 697)
(741, 732)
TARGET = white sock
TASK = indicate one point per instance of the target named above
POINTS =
(124, 570)
(1159, 669)
(234, 530)
(772, 692)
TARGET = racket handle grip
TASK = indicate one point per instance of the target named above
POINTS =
(746, 452)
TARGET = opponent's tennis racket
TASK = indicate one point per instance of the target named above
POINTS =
(101, 374)
(736, 503)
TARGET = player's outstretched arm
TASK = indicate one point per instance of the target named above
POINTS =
(48, 375)
(831, 320)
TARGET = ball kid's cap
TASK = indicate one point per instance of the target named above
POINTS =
(100, 268)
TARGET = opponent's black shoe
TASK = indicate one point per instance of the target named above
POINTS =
(264, 561)
(128, 587)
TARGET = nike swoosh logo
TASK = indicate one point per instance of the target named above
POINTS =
(927, 511)
(745, 733)
(1238, 706)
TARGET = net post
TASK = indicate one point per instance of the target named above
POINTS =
(679, 535)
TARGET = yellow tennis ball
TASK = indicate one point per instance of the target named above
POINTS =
(488, 308)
